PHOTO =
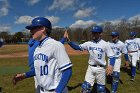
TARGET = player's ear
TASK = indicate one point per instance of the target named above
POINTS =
(43, 29)
(101, 34)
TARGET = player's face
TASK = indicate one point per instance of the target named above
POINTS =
(115, 38)
(96, 35)
(37, 33)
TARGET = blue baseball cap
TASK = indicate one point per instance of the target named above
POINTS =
(39, 21)
(96, 29)
(114, 33)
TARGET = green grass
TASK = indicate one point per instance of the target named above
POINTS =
(11, 66)
(16, 48)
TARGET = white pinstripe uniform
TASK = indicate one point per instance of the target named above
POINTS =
(132, 47)
(50, 59)
(97, 51)
(118, 48)
(138, 41)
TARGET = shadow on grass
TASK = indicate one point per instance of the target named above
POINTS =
(94, 89)
(74, 87)
(126, 70)
(109, 80)
(0, 89)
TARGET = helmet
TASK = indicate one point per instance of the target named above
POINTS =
(135, 33)
(97, 29)
(40, 21)
(114, 33)
(132, 33)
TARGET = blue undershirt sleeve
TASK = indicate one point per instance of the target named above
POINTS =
(30, 73)
(112, 61)
(74, 46)
(66, 74)
(126, 57)
(63, 40)
(1, 43)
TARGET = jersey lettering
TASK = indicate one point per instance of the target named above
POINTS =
(43, 70)
(41, 56)
(116, 50)
(99, 56)
(95, 48)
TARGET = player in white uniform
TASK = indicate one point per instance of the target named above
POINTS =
(1, 42)
(118, 48)
(52, 66)
(138, 41)
(97, 49)
(32, 44)
(132, 47)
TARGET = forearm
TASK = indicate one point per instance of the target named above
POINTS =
(74, 46)
(66, 74)
(30, 73)
(63, 40)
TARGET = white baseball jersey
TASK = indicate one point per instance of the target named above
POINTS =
(132, 45)
(50, 59)
(138, 41)
(118, 48)
(97, 51)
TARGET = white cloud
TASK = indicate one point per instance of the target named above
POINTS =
(82, 24)
(28, 19)
(4, 9)
(84, 13)
(24, 20)
(53, 19)
(134, 17)
(116, 22)
(5, 28)
(57, 27)
(61, 4)
(32, 2)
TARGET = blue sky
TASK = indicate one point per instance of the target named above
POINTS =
(16, 14)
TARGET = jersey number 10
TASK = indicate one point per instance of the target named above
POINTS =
(43, 70)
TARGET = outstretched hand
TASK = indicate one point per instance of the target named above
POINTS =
(66, 35)
(18, 77)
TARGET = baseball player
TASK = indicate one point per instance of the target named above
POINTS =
(32, 44)
(132, 47)
(52, 68)
(138, 41)
(1, 42)
(118, 48)
(97, 49)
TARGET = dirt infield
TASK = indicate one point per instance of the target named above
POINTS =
(69, 50)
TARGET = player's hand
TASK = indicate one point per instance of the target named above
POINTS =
(126, 64)
(66, 35)
(18, 77)
(109, 70)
